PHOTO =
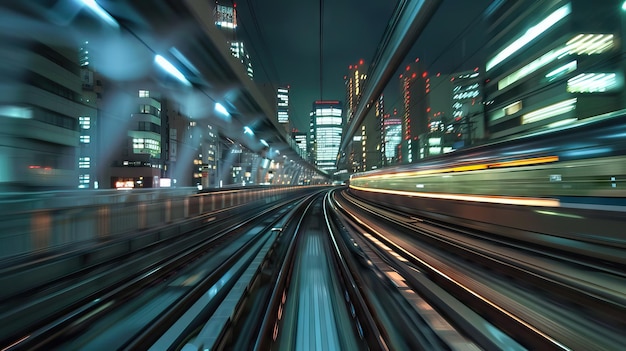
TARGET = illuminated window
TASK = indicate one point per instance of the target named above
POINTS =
(144, 93)
(562, 70)
(512, 108)
(593, 83)
(84, 162)
(85, 139)
(85, 122)
(588, 44)
(531, 67)
(550, 111)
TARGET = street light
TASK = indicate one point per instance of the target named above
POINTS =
(221, 109)
(169, 68)
(98, 10)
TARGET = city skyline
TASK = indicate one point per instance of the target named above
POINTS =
(287, 50)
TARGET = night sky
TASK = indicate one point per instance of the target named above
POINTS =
(284, 43)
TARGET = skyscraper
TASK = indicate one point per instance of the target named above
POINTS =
(300, 140)
(467, 105)
(392, 137)
(282, 102)
(226, 19)
(326, 131)
(365, 151)
(87, 125)
(414, 119)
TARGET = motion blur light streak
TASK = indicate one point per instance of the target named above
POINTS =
(221, 109)
(476, 167)
(530, 35)
(167, 66)
(524, 162)
(595, 152)
(16, 112)
(552, 213)
(180, 57)
(93, 6)
(504, 200)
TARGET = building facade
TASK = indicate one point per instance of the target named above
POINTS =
(282, 105)
(552, 62)
(225, 17)
(413, 87)
(392, 136)
(139, 160)
(326, 131)
(467, 106)
(41, 106)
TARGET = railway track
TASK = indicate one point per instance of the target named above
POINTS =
(494, 290)
(105, 307)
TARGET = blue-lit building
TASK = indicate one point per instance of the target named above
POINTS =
(282, 105)
(325, 134)
(551, 62)
(392, 137)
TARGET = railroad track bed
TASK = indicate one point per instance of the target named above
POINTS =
(495, 293)
(118, 305)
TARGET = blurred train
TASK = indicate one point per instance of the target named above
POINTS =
(587, 158)
(566, 182)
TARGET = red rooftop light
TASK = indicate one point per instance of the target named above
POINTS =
(360, 61)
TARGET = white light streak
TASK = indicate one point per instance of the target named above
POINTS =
(169, 68)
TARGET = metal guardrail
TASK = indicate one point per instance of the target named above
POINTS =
(40, 222)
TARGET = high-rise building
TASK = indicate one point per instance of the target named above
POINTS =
(364, 152)
(438, 96)
(87, 125)
(552, 62)
(467, 106)
(226, 19)
(326, 131)
(139, 161)
(392, 137)
(415, 115)
(300, 138)
(354, 83)
(282, 105)
(367, 143)
(41, 106)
